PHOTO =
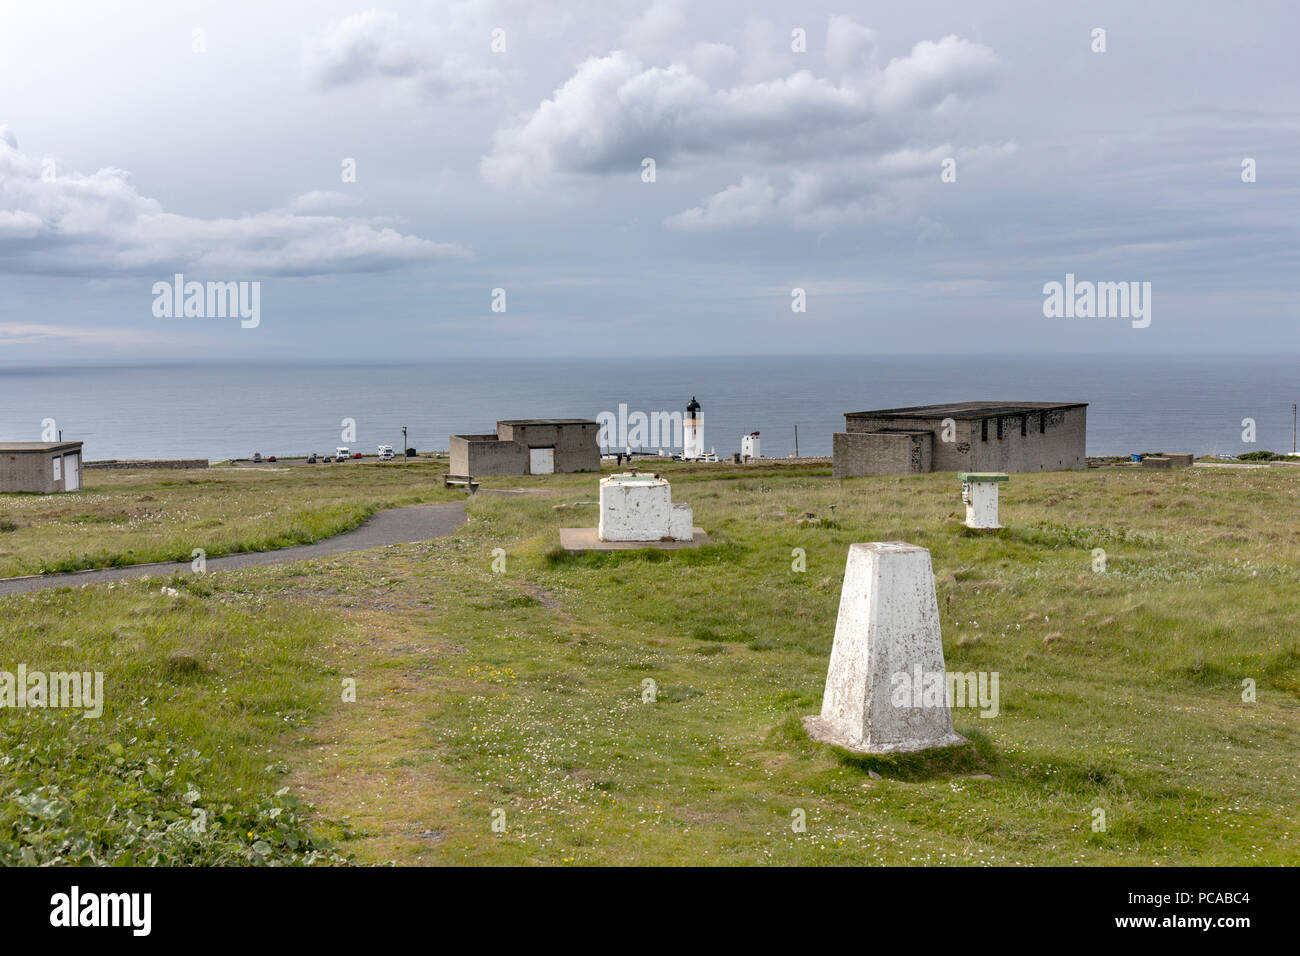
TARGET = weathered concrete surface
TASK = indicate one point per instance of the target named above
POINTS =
(573, 441)
(395, 526)
(901, 452)
(681, 523)
(637, 507)
(578, 540)
(980, 492)
(1174, 460)
(888, 625)
(984, 436)
(43, 467)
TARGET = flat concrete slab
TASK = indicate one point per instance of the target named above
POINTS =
(578, 540)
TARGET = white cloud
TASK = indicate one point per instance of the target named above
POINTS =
(709, 59)
(321, 200)
(99, 224)
(376, 44)
(850, 47)
(747, 203)
(615, 110)
(656, 29)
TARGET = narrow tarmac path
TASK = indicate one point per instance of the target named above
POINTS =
(394, 526)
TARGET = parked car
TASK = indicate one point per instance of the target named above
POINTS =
(257, 457)
(357, 454)
(272, 458)
(311, 459)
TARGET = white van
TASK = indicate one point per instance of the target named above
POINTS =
(385, 452)
(342, 453)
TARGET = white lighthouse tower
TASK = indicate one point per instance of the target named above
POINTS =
(692, 433)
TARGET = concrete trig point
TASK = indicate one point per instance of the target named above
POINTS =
(888, 626)
(979, 489)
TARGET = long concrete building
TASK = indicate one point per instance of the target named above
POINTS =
(963, 436)
(528, 446)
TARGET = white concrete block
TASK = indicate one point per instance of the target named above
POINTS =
(979, 490)
(681, 523)
(639, 508)
(886, 634)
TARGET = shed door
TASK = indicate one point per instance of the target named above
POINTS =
(541, 461)
(72, 472)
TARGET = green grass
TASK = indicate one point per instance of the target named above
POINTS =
(182, 765)
(130, 517)
(518, 696)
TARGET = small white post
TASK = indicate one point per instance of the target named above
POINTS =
(979, 489)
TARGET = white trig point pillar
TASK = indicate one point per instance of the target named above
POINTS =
(979, 489)
(886, 688)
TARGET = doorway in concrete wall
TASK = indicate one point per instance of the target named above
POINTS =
(72, 472)
(541, 461)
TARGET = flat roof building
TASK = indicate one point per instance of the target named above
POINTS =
(528, 446)
(40, 466)
(963, 436)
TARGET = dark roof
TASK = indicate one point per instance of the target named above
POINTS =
(37, 446)
(966, 410)
(548, 421)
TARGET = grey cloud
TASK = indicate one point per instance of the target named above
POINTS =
(820, 197)
(376, 44)
(99, 224)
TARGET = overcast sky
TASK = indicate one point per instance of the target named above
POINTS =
(133, 147)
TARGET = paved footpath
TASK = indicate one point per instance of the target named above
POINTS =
(394, 526)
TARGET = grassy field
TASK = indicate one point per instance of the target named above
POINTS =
(137, 517)
(499, 716)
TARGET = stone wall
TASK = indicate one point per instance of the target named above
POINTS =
(28, 471)
(881, 453)
(149, 463)
(506, 452)
(33, 470)
(486, 455)
(574, 443)
(1050, 440)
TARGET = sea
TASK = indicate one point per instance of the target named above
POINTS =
(1137, 404)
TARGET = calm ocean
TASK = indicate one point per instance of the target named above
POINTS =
(1137, 403)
